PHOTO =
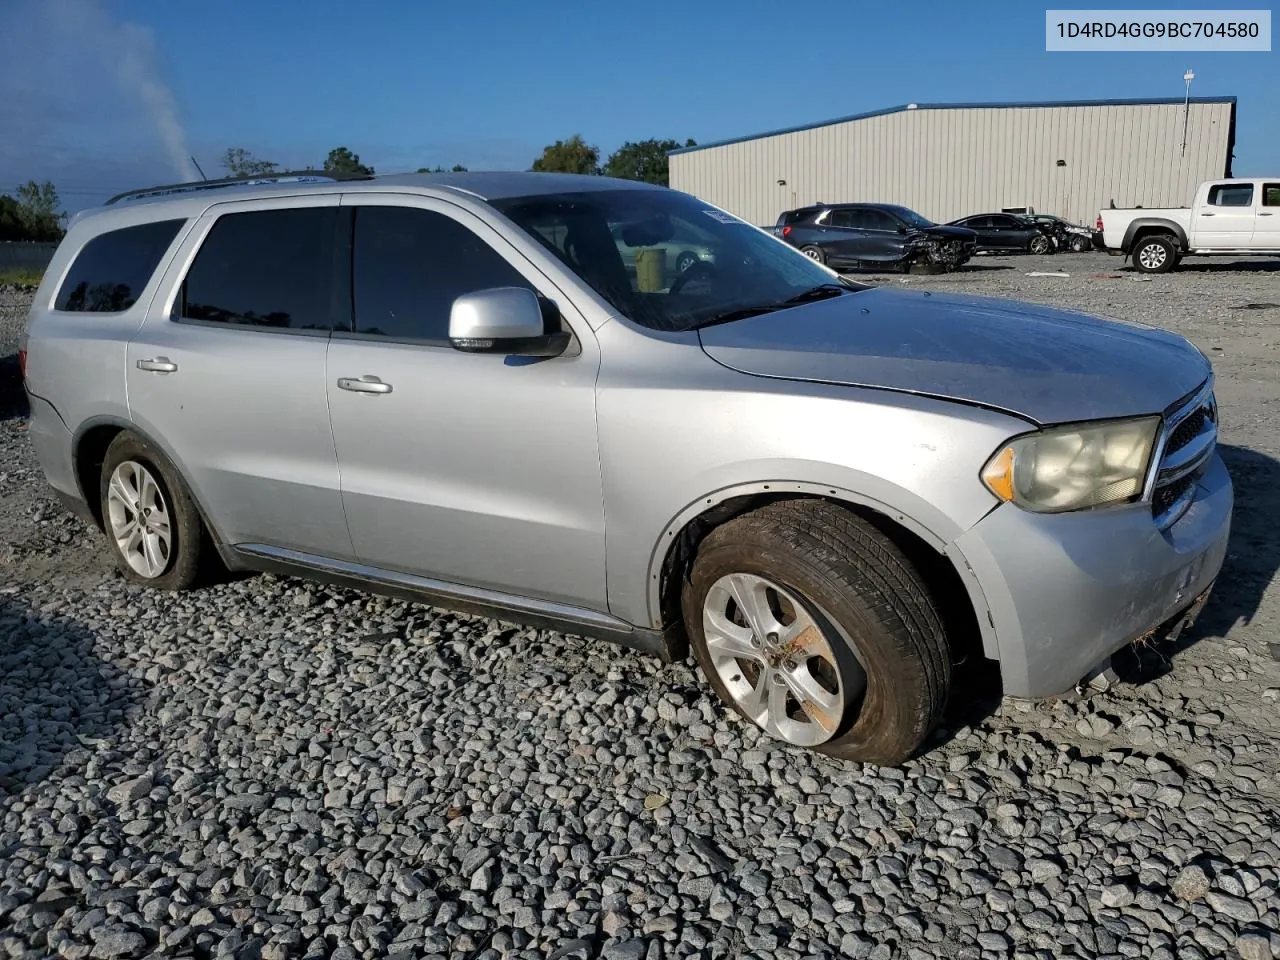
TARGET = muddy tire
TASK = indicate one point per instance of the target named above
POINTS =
(1157, 253)
(812, 624)
(154, 531)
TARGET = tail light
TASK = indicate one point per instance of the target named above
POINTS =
(1098, 223)
(22, 363)
(786, 231)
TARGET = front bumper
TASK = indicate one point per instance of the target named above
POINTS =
(1065, 591)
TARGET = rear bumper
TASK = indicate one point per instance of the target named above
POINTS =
(1066, 591)
(52, 442)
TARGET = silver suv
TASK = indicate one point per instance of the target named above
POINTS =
(450, 387)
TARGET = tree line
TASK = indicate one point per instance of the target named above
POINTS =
(31, 214)
(635, 160)
(239, 162)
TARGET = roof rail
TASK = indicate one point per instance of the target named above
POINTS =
(291, 176)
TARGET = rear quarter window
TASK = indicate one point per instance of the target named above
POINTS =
(111, 270)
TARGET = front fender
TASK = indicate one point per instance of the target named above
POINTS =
(845, 486)
(772, 478)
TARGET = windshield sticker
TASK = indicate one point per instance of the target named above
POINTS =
(722, 216)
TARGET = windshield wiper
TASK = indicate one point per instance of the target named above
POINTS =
(822, 291)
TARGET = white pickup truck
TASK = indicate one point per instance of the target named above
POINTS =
(1228, 218)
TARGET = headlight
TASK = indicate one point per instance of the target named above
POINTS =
(1074, 467)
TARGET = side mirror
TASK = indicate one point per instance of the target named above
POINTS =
(503, 320)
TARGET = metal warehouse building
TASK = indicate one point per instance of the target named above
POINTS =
(948, 160)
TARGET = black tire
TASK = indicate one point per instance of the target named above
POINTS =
(850, 577)
(814, 253)
(1157, 253)
(1040, 245)
(1079, 244)
(190, 549)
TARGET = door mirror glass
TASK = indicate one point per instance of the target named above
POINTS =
(505, 320)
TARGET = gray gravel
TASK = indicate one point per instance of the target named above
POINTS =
(269, 769)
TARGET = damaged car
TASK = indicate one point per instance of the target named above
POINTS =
(1066, 235)
(1007, 233)
(876, 236)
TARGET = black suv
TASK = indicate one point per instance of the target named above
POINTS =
(874, 235)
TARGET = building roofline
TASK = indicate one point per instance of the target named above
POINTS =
(991, 105)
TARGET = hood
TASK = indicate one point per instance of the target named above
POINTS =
(1043, 364)
(947, 231)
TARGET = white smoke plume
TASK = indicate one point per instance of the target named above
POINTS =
(136, 63)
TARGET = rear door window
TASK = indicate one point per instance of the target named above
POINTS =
(1231, 195)
(110, 272)
(851, 218)
(272, 269)
(1271, 194)
(410, 265)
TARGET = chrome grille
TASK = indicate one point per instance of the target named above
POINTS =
(1183, 450)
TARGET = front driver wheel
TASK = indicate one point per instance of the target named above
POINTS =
(813, 625)
(155, 533)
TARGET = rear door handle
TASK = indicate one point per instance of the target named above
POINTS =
(366, 384)
(1206, 214)
(1264, 213)
(158, 365)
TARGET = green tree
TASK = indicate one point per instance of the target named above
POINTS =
(36, 209)
(10, 224)
(574, 155)
(644, 160)
(456, 168)
(342, 160)
(241, 163)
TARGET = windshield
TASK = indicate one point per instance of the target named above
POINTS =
(912, 218)
(666, 260)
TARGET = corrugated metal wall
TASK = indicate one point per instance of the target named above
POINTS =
(948, 163)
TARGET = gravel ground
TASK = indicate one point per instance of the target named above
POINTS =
(267, 768)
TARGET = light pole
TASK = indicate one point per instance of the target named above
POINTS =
(1186, 108)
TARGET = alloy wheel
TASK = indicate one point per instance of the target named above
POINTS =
(773, 657)
(1153, 256)
(140, 519)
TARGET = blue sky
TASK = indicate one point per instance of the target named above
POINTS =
(104, 95)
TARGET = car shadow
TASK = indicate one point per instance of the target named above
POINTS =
(1224, 265)
(13, 398)
(1253, 558)
(56, 696)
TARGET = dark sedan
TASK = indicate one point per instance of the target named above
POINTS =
(850, 236)
(1006, 233)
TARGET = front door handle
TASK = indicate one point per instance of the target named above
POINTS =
(158, 365)
(1206, 214)
(366, 384)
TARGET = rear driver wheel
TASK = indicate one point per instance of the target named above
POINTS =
(154, 530)
(814, 253)
(812, 624)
